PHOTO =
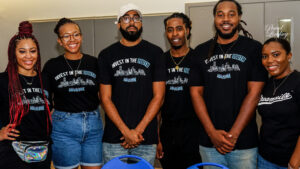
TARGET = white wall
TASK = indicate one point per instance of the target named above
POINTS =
(14, 11)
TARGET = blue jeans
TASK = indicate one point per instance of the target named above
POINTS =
(264, 164)
(77, 139)
(147, 152)
(237, 159)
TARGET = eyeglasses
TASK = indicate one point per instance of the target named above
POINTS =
(135, 19)
(67, 37)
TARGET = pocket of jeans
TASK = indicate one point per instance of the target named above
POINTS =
(59, 116)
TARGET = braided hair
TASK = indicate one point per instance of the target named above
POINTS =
(18, 105)
(239, 27)
(186, 21)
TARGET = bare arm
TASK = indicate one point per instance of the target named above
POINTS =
(247, 110)
(159, 148)
(295, 159)
(217, 136)
(130, 136)
(153, 107)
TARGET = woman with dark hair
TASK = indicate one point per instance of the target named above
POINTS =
(279, 107)
(73, 80)
(24, 108)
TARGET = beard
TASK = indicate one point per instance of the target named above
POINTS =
(227, 35)
(130, 35)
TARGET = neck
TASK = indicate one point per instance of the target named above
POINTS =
(180, 52)
(220, 40)
(73, 56)
(125, 42)
(286, 73)
(28, 72)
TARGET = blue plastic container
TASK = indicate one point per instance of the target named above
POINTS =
(116, 163)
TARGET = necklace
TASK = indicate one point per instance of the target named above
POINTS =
(177, 64)
(28, 83)
(74, 72)
(224, 53)
(276, 88)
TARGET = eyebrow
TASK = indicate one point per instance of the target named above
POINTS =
(26, 48)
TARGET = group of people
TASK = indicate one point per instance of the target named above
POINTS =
(183, 106)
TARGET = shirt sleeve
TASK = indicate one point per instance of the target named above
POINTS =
(159, 67)
(257, 71)
(104, 70)
(196, 76)
(48, 83)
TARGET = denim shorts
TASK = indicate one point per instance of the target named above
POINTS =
(77, 139)
(236, 159)
(112, 150)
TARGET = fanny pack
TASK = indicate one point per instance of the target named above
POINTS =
(31, 151)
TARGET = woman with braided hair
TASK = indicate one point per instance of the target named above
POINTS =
(24, 107)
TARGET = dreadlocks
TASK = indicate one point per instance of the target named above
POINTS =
(239, 27)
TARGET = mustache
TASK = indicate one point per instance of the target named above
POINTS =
(131, 26)
(226, 23)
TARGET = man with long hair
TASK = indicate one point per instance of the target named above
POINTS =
(226, 80)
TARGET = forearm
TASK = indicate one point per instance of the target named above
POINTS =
(158, 124)
(151, 112)
(201, 110)
(113, 114)
(247, 109)
(295, 159)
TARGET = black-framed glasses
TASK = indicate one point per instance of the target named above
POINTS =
(135, 19)
(67, 37)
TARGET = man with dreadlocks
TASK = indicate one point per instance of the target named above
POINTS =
(226, 80)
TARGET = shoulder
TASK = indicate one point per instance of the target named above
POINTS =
(250, 42)
(89, 57)
(54, 61)
(204, 46)
(3, 80)
(3, 76)
(296, 76)
(151, 46)
(110, 48)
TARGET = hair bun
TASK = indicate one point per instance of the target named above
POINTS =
(25, 27)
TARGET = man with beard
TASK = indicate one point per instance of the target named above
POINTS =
(132, 86)
(226, 80)
(179, 146)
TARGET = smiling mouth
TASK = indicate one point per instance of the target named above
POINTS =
(272, 68)
(72, 46)
(226, 26)
(29, 62)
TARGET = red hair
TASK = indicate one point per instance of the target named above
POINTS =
(17, 109)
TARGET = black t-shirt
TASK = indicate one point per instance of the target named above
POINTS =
(225, 84)
(33, 125)
(280, 119)
(74, 91)
(131, 72)
(179, 119)
(177, 104)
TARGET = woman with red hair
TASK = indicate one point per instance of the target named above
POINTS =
(24, 107)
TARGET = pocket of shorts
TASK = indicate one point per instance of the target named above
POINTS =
(60, 116)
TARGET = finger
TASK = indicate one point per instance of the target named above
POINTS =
(122, 138)
(227, 142)
(15, 131)
(225, 150)
(12, 135)
(220, 150)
